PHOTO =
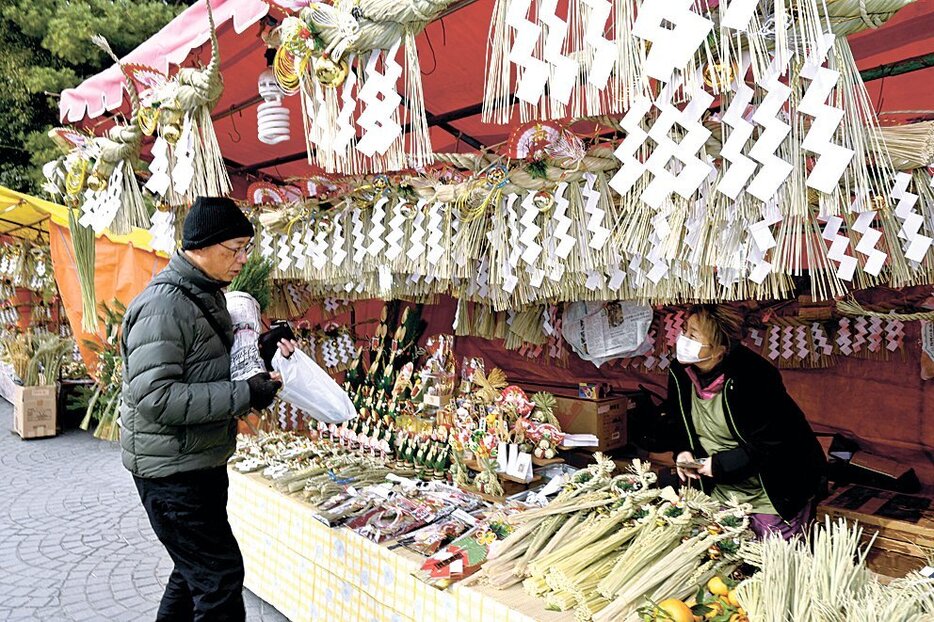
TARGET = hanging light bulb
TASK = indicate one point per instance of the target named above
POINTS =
(272, 118)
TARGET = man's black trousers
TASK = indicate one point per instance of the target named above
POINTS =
(188, 512)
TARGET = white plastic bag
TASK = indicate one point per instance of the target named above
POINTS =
(311, 389)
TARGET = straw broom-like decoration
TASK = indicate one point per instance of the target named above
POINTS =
(50, 354)
(120, 149)
(910, 146)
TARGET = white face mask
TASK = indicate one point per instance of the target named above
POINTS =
(687, 351)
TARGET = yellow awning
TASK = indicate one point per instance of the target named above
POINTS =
(25, 216)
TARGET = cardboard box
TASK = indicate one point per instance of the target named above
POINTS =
(35, 411)
(903, 525)
(605, 419)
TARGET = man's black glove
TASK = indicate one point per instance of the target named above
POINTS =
(262, 390)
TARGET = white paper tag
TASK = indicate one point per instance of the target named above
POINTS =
(554, 485)
(513, 457)
(502, 457)
(523, 468)
(461, 515)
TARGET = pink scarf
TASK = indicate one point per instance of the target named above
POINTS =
(712, 389)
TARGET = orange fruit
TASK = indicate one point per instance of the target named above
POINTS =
(716, 609)
(731, 597)
(717, 586)
(676, 611)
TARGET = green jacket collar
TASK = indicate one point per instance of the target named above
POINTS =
(191, 273)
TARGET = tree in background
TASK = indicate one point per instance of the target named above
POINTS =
(45, 47)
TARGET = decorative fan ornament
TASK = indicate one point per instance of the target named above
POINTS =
(531, 141)
(264, 193)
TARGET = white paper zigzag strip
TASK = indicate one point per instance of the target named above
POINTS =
(832, 158)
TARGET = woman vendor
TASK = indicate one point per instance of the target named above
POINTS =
(735, 430)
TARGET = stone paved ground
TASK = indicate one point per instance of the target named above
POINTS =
(75, 543)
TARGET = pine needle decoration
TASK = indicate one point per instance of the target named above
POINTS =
(254, 280)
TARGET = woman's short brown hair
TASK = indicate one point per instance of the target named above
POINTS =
(722, 323)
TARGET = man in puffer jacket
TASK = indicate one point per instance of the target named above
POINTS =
(179, 413)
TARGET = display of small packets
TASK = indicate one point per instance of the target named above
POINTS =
(429, 539)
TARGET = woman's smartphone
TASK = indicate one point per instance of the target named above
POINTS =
(691, 465)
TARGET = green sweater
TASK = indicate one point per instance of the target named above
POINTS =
(710, 423)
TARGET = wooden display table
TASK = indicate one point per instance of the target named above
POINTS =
(903, 526)
(310, 572)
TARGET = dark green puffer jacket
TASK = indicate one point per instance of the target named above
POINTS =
(179, 405)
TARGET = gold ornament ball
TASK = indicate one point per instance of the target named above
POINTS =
(96, 183)
(329, 73)
(148, 120)
(543, 200)
(720, 75)
(171, 133)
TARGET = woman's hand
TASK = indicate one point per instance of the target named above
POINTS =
(707, 469)
(686, 474)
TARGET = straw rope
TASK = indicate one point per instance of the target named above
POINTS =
(854, 309)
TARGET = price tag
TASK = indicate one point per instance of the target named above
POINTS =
(522, 468)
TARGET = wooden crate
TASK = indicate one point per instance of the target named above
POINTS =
(903, 526)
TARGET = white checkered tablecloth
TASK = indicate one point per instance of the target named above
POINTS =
(312, 573)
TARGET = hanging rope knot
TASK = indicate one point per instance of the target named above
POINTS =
(870, 21)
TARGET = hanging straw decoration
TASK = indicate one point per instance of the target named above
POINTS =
(120, 150)
(342, 57)
(691, 206)
(587, 64)
(198, 92)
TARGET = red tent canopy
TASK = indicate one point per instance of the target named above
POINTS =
(452, 52)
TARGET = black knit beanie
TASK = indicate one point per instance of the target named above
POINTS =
(212, 220)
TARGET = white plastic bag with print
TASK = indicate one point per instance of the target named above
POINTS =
(311, 389)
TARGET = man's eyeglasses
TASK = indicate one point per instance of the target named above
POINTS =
(243, 251)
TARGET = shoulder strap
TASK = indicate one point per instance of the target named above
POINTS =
(190, 295)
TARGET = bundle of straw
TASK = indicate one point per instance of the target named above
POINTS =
(825, 578)
(18, 351)
(49, 355)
